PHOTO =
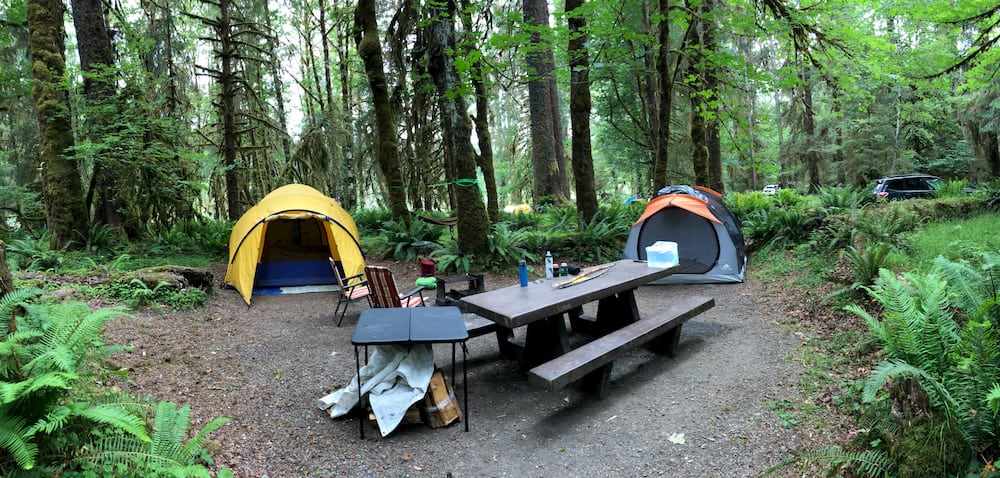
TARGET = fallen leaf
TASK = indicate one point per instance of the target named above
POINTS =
(407, 456)
(676, 438)
(277, 374)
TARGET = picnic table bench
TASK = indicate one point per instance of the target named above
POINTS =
(592, 361)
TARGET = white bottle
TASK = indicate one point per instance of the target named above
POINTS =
(548, 265)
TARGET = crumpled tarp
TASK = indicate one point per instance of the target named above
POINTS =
(395, 377)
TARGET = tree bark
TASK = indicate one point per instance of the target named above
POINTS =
(665, 98)
(712, 82)
(545, 159)
(579, 112)
(6, 279)
(387, 148)
(65, 210)
(227, 109)
(96, 60)
(482, 122)
(696, 120)
(473, 228)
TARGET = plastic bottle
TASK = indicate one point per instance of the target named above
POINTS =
(523, 271)
(548, 265)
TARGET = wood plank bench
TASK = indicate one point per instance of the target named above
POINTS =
(592, 362)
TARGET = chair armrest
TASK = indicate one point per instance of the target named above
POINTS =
(358, 281)
(416, 290)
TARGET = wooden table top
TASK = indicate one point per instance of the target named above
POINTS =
(515, 306)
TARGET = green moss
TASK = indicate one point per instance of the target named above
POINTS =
(929, 448)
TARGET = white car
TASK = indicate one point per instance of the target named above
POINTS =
(771, 189)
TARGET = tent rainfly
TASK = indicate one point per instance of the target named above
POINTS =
(286, 240)
(709, 239)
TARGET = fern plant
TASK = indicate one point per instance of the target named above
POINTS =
(941, 333)
(49, 400)
(165, 453)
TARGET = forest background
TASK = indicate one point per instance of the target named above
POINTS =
(145, 115)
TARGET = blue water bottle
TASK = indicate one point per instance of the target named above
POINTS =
(523, 271)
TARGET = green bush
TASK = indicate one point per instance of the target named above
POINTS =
(938, 334)
(55, 420)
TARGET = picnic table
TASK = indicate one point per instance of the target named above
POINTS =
(540, 307)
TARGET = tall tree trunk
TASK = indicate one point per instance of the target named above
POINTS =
(387, 148)
(482, 121)
(348, 191)
(579, 112)
(96, 60)
(6, 279)
(65, 210)
(809, 129)
(712, 82)
(696, 119)
(541, 65)
(666, 93)
(279, 89)
(227, 109)
(473, 228)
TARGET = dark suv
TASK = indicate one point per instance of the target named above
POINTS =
(906, 186)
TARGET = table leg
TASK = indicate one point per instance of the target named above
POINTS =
(545, 340)
(357, 369)
(616, 311)
(465, 385)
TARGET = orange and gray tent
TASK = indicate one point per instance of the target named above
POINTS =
(286, 240)
(709, 239)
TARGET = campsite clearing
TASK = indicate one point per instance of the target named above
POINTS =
(265, 366)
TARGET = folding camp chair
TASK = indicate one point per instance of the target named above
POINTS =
(352, 289)
(384, 293)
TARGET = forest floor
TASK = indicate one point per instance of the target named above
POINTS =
(724, 407)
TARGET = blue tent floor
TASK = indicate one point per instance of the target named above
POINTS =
(300, 289)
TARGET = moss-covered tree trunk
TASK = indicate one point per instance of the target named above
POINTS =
(457, 129)
(696, 87)
(482, 119)
(546, 139)
(65, 211)
(387, 146)
(97, 61)
(579, 111)
(665, 92)
(6, 280)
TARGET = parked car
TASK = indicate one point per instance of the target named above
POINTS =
(906, 186)
(772, 189)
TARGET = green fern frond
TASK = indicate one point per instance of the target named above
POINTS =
(993, 399)
(869, 463)
(10, 302)
(165, 453)
(14, 439)
(967, 285)
(197, 443)
(939, 395)
(13, 391)
(116, 417)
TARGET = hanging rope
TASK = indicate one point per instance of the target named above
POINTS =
(464, 182)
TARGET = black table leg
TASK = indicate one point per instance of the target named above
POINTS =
(616, 311)
(545, 340)
(361, 406)
(465, 384)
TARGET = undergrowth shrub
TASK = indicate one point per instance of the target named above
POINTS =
(930, 398)
(55, 417)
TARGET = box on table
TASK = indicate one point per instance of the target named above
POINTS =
(662, 254)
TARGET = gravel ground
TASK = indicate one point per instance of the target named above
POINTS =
(713, 411)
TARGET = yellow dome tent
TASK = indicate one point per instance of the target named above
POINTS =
(285, 240)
